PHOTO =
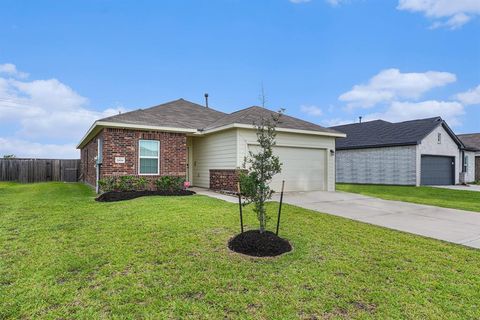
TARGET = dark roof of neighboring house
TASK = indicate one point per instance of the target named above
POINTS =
(380, 133)
(176, 114)
(254, 114)
(470, 140)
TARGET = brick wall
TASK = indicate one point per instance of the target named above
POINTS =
(224, 179)
(124, 143)
(87, 161)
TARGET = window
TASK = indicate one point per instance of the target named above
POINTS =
(149, 151)
(465, 163)
(439, 138)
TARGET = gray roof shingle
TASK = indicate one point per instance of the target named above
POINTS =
(380, 133)
(470, 140)
(185, 114)
(252, 116)
(176, 114)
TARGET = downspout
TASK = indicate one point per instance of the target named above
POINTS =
(97, 174)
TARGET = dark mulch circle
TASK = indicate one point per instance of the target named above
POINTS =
(254, 243)
(128, 195)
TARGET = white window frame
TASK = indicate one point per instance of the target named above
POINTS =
(149, 157)
(465, 162)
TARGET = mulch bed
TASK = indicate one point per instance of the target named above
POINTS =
(128, 195)
(254, 243)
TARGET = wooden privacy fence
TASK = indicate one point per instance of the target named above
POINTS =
(39, 170)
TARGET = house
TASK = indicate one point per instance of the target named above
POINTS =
(418, 152)
(206, 146)
(472, 142)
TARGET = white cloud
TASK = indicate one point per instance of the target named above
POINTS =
(27, 149)
(334, 2)
(336, 122)
(11, 70)
(311, 110)
(470, 97)
(447, 13)
(41, 110)
(391, 84)
(451, 111)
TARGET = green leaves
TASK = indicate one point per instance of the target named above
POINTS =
(122, 183)
(260, 167)
(170, 183)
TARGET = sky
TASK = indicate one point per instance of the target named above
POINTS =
(64, 64)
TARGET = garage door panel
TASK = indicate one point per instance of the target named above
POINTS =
(303, 169)
(437, 170)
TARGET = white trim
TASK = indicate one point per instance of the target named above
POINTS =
(107, 124)
(98, 125)
(249, 126)
(149, 157)
(287, 145)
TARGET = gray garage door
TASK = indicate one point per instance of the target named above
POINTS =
(437, 170)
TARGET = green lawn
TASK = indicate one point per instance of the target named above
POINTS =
(456, 199)
(63, 255)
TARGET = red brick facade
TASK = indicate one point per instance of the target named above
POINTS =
(125, 143)
(224, 179)
(87, 157)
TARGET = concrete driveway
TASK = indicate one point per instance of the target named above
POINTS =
(457, 226)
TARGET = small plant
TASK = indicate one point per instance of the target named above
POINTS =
(260, 167)
(122, 183)
(170, 183)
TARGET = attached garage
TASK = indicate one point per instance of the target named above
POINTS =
(437, 170)
(416, 152)
(303, 169)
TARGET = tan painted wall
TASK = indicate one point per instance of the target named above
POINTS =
(214, 151)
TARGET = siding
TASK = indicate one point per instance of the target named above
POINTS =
(448, 147)
(470, 175)
(246, 137)
(389, 165)
(215, 151)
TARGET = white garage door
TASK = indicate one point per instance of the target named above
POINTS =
(303, 169)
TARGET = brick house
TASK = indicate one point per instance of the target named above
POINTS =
(205, 146)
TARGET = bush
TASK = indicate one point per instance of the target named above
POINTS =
(122, 183)
(170, 183)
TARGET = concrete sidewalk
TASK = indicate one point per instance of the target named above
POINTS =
(470, 187)
(457, 226)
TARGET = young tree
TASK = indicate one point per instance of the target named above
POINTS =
(260, 167)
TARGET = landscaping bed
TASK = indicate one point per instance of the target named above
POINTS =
(128, 195)
(254, 243)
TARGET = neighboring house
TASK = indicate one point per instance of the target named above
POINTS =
(418, 152)
(207, 147)
(472, 142)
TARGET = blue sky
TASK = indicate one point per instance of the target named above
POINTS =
(64, 64)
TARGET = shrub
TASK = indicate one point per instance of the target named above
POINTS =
(170, 183)
(122, 183)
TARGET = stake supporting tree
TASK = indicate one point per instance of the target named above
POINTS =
(280, 207)
(240, 206)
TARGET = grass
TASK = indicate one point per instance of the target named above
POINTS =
(63, 255)
(447, 198)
